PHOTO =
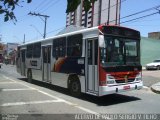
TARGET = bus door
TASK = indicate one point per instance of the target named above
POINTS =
(22, 63)
(91, 65)
(46, 64)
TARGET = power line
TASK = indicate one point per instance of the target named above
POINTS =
(45, 20)
(41, 4)
(136, 14)
(36, 29)
(50, 5)
(139, 17)
(56, 30)
(126, 16)
(113, 5)
(146, 10)
(105, 9)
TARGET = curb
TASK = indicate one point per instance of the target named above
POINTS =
(156, 88)
(145, 87)
(155, 91)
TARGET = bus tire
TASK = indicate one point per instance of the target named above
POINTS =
(29, 76)
(75, 88)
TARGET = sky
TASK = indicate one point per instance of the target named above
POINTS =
(33, 26)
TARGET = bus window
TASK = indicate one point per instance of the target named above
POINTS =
(59, 47)
(37, 50)
(29, 51)
(74, 45)
(23, 55)
(18, 52)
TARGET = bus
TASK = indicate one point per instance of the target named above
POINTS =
(1, 54)
(1, 59)
(98, 61)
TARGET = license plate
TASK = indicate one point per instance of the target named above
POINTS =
(126, 87)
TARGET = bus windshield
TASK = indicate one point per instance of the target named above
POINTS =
(120, 51)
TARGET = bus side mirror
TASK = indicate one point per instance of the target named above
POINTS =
(101, 41)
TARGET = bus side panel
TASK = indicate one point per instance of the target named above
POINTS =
(37, 74)
(36, 68)
(63, 67)
(59, 79)
(18, 65)
(34, 63)
(83, 84)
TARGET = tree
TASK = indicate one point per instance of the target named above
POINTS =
(73, 4)
(7, 7)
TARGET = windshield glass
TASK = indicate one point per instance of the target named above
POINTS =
(120, 51)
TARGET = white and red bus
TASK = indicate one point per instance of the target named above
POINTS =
(1, 59)
(98, 61)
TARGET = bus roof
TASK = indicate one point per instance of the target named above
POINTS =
(75, 31)
(62, 35)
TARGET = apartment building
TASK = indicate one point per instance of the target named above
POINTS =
(101, 12)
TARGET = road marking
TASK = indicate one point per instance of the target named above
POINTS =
(22, 89)
(67, 102)
(145, 87)
(31, 102)
(8, 78)
(59, 99)
(7, 82)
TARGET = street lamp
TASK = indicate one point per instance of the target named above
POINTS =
(36, 30)
(16, 38)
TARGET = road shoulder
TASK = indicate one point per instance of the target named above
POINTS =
(156, 88)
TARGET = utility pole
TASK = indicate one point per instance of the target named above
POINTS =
(0, 39)
(45, 21)
(24, 38)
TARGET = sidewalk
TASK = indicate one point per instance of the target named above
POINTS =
(156, 88)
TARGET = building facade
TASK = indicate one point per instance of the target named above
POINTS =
(154, 35)
(101, 12)
(149, 50)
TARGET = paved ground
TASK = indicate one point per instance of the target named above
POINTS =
(152, 80)
(39, 99)
(150, 77)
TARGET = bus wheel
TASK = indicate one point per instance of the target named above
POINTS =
(29, 76)
(75, 88)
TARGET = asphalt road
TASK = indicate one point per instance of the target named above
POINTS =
(150, 77)
(42, 101)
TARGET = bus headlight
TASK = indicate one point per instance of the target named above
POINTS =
(110, 79)
(139, 76)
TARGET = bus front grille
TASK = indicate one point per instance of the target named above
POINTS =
(125, 81)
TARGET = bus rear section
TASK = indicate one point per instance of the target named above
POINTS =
(119, 60)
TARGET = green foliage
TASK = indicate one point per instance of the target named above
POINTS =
(7, 7)
(73, 4)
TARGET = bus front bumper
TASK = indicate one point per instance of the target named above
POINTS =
(106, 90)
